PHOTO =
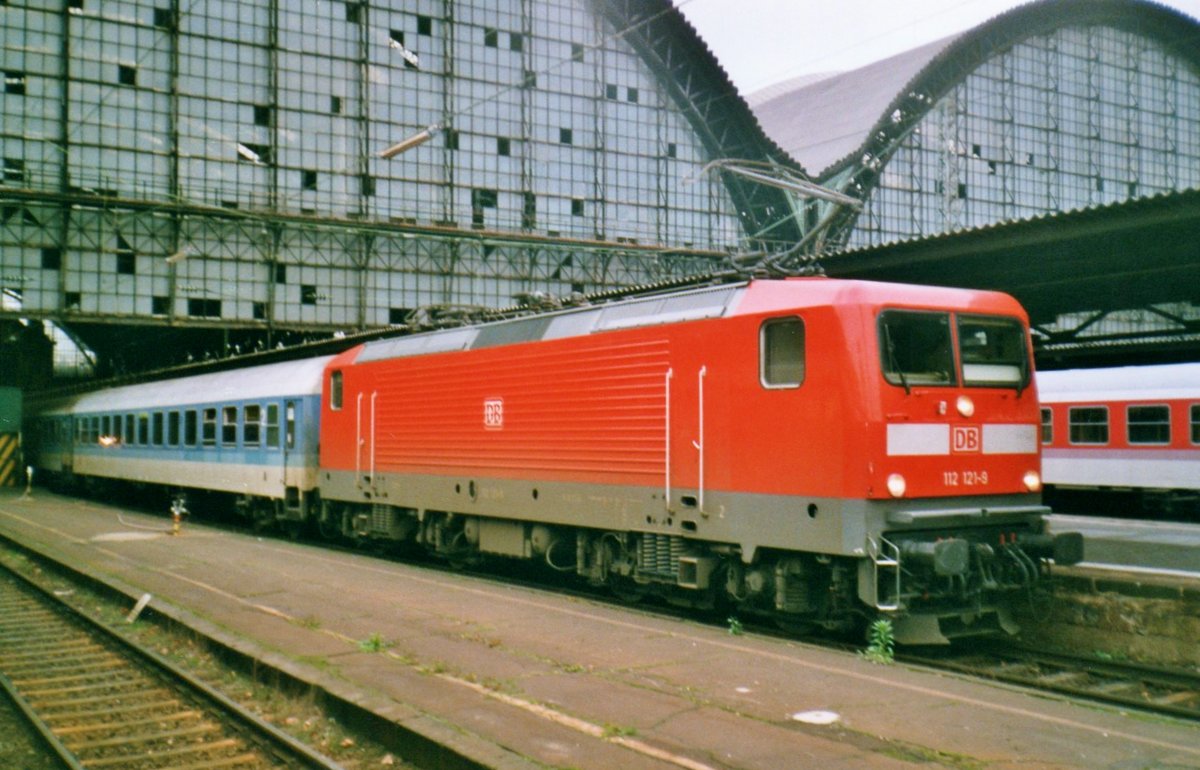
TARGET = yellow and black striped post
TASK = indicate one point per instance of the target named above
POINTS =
(10, 459)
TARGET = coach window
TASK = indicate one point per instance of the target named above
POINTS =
(229, 426)
(273, 426)
(781, 353)
(1047, 426)
(335, 390)
(190, 425)
(1088, 424)
(251, 424)
(158, 428)
(1195, 423)
(143, 421)
(130, 435)
(1148, 424)
(209, 427)
(106, 425)
(117, 434)
(173, 428)
(94, 437)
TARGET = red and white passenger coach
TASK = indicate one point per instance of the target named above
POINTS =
(1124, 439)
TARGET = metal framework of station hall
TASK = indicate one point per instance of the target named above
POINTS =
(217, 165)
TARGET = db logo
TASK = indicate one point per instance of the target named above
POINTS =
(966, 438)
(493, 413)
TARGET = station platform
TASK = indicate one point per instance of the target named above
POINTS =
(512, 677)
(1135, 544)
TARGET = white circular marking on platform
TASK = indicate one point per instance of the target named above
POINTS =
(816, 717)
(121, 537)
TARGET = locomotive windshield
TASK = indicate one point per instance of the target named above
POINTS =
(993, 352)
(917, 348)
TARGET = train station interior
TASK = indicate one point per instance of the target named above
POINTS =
(196, 184)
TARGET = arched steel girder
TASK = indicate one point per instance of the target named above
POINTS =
(687, 71)
(859, 172)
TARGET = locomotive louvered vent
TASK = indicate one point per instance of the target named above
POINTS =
(660, 554)
(383, 519)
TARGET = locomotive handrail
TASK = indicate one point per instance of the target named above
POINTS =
(358, 442)
(667, 430)
(374, 395)
(699, 444)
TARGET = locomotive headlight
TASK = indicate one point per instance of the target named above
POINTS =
(896, 485)
(966, 407)
(1033, 481)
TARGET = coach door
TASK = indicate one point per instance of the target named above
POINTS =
(293, 456)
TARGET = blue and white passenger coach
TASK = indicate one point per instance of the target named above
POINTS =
(252, 433)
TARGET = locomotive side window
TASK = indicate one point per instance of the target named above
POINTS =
(229, 426)
(915, 348)
(209, 434)
(1088, 424)
(993, 352)
(189, 428)
(273, 426)
(1195, 423)
(1148, 424)
(781, 353)
(335, 390)
(251, 424)
(1047, 426)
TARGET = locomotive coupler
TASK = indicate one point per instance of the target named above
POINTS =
(1065, 548)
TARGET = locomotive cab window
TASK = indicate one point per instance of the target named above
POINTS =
(1047, 426)
(915, 348)
(1148, 424)
(1195, 420)
(1087, 424)
(335, 390)
(993, 352)
(781, 353)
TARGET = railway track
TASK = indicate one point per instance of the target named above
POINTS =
(102, 702)
(1171, 692)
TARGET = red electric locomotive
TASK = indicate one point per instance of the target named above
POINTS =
(817, 450)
